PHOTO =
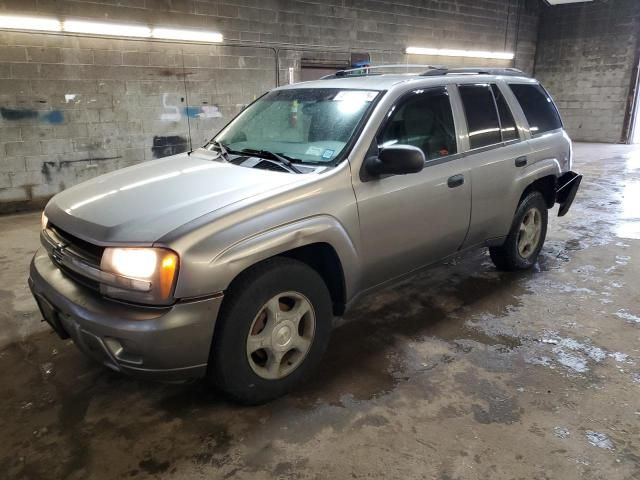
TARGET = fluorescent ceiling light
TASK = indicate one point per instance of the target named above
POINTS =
(106, 28)
(562, 2)
(188, 35)
(111, 29)
(29, 23)
(447, 52)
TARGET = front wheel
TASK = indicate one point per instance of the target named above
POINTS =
(273, 329)
(529, 229)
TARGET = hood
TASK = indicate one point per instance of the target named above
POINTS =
(140, 204)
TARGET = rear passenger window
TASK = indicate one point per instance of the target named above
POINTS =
(424, 120)
(507, 123)
(482, 117)
(538, 107)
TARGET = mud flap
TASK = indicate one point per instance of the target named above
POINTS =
(566, 190)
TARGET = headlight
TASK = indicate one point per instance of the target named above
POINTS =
(147, 275)
(44, 220)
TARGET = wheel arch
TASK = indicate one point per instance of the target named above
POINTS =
(319, 242)
(322, 258)
(546, 185)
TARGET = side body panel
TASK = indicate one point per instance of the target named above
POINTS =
(408, 221)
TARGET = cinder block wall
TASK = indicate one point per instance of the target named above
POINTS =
(73, 107)
(586, 57)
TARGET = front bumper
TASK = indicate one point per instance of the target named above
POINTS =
(167, 344)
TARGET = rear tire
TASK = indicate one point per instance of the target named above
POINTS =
(273, 329)
(525, 240)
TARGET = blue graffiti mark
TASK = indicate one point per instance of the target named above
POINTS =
(13, 115)
(204, 111)
(17, 114)
(55, 117)
(193, 112)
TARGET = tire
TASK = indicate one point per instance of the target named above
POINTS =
(511, 256)
(260, 308)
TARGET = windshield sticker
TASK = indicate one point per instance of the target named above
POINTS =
(328, 153)
(355, 96)
(315, 151)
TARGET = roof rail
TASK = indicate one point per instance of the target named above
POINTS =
(366, 70)
(507, 72)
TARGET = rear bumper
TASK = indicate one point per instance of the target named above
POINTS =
(167, 344)
(566, 189)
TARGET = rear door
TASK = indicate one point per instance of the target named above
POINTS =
(548, 138)
(495, 150)
(408, 221)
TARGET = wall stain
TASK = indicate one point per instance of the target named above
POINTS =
(177, 73)
(49, 167)
(170, 145)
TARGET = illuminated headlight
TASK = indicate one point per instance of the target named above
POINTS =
(44, 220)
(145, 275)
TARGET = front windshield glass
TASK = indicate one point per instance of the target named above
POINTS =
(305, 125)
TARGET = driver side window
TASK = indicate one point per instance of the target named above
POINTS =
(424, 120)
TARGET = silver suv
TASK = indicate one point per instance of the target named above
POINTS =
(230, 261)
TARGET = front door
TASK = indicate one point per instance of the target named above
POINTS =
(408, 221)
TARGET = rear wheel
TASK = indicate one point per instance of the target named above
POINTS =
(273, 329)
(525, 240)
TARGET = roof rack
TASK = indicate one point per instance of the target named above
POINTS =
(365, 71)
(429, 71)
(507, 72)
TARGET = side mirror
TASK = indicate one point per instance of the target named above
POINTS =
(396, 160)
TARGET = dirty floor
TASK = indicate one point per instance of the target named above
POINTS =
(461, 373)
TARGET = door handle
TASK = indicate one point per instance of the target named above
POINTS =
(521, 161)
(455, 181)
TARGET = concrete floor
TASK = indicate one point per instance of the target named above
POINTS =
(464, 372)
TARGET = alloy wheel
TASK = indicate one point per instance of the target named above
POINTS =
(530, 232)
(281, 335)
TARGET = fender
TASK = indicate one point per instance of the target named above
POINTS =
(236, 258)
(537, 170)
(525, 177)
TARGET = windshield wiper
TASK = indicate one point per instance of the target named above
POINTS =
(224, 153)
(273, 156)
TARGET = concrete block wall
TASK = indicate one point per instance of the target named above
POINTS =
(73, 107)
(586, 57)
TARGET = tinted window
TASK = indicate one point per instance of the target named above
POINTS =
(424, 121)
(482, 117)
(507, 123)
(539, 109)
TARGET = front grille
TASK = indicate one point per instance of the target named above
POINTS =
(76, 277)
(81, 249)
(88, 251)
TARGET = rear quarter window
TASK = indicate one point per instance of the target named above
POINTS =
(538, 107)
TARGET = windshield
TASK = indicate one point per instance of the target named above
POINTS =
(305, 125)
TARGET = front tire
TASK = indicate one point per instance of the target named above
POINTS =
(273, 329)
(525, 240)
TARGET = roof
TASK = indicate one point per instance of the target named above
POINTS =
(385, 82)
